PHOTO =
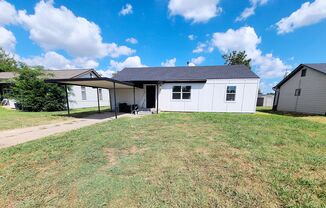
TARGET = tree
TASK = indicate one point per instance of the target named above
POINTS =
(33, 94)
(237, 57)
(7, 62)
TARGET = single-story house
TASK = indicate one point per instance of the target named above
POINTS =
(303, 90)
(190, 89)
(79, 96)
(265, 100)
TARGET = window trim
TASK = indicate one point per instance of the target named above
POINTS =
(227, 93)
(181, 93)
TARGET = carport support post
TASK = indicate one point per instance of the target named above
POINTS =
(157, 91)
(115, 101)
(134, 100)
(67, 99)
(98, 101)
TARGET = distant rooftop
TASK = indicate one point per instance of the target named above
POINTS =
(56, 74)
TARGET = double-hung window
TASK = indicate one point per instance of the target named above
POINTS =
(181, 92)
(231, 93)
(83, 93)
(100, 94)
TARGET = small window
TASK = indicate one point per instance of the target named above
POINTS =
(176, 93)
(181, 92)
(186, 92)
(303, 72)
(297, 92)
(230, 93)
(83, 93)
(100, 94)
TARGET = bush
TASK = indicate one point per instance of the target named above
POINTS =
(33, 94)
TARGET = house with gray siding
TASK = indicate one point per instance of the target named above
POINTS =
(303, 90)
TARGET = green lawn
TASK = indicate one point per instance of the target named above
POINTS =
(12, 119)
(172, 160)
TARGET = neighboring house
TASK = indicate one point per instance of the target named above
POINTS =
(303, 90)
(190, 89)
(79, 96)
(265, 100)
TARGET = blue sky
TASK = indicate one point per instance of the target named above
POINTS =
(111, 34)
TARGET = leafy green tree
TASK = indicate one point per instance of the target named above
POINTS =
(237, 57)
(33, 94)
(7, 62)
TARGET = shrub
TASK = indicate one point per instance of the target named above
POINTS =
(33, 94)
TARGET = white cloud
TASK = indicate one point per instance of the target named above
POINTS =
(169, 62)
(308, 14)
(197, 61)
(200, 48)
(132, 40)
(106, 73)
(127, 9)
(191, 37)
(246, 39)
(53, 60)
(8, 14)
(7, 39)
(59, 29)
(195, 10)
(247, 12)
(133, 61)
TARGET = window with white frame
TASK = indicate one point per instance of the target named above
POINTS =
(83, 93)
(231, 93)
(181, 92)
(100, 94)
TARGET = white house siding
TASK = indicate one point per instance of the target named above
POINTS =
(76, 101)
(211, 96)
(313, 93)
(205, 97)
(126, 96)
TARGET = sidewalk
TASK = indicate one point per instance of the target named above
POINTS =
(17, 136)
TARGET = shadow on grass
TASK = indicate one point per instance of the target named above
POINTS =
(82, 113)
(292, 114)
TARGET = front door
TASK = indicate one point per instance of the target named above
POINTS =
(150, 96)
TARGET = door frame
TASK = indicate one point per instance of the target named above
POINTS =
(155, 105)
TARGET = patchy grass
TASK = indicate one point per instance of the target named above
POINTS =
(172, 160)
(309, 117)
(12, 119)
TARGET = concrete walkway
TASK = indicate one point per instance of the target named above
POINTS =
(17, 136)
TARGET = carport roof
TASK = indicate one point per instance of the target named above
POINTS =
(101, 82)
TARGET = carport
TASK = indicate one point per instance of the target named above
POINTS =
(103, 82)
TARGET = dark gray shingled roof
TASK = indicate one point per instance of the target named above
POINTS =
(318, 67)
(191, 73)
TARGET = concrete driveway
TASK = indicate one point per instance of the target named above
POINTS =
(17, 136)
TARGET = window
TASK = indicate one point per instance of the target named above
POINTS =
(181, 92)
(83, 93)
(303, 72)
(230, 93)
(100, 94)
(297, 92)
